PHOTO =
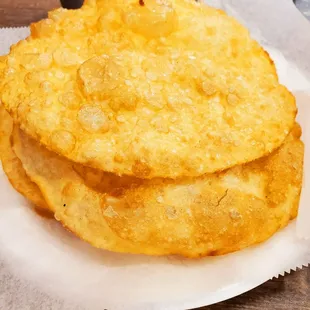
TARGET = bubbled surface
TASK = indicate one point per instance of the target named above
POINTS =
(147, 88)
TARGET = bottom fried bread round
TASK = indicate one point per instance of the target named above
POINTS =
(12, 166)
(210, 215)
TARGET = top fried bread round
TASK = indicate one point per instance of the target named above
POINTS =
(152, 88)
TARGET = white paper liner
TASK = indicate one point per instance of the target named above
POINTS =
(277, 23)
(49, 259)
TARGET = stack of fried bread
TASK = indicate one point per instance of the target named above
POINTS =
(154, 126)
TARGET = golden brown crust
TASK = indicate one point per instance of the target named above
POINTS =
(170, 89)
(12, 165)
(210, 215)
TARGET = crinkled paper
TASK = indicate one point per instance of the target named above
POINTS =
(44, 267)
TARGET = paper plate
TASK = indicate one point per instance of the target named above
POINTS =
(43, 254)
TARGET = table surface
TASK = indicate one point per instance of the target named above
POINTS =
(285, 293)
